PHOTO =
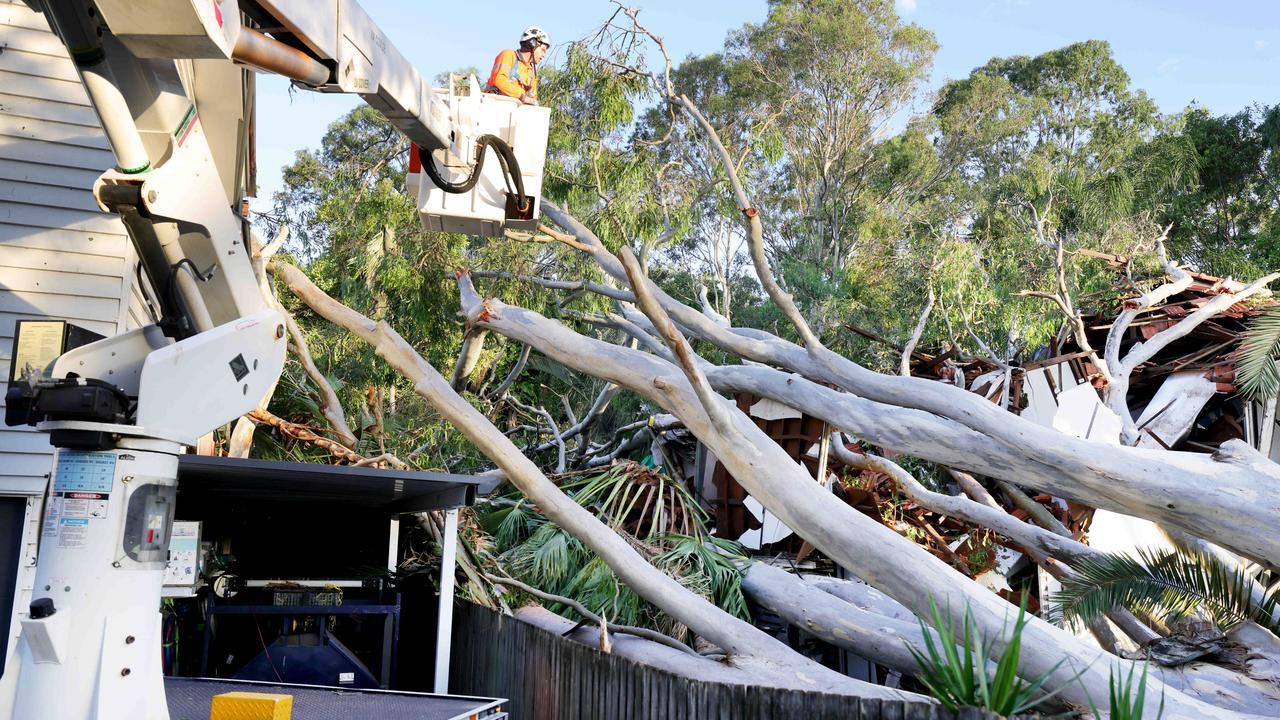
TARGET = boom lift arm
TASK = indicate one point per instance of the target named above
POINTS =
(162, 76)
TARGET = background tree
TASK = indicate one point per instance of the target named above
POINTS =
(1226, 222)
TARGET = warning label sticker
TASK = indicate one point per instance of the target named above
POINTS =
(68, 515)
(84, 505)
(73, 532)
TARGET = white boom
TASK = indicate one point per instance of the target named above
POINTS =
(163, 77)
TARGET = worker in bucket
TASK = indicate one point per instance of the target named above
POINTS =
(515, 72)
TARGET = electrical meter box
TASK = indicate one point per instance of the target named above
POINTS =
(488, 208)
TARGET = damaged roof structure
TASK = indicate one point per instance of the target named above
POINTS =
(1194, 375)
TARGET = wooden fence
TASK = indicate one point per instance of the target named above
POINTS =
(547, 677)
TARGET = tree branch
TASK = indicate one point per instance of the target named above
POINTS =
(1237, 514)
(1042, 543)
(584, 612)
(468, 357)
(904, 366)
(516, 369)
(755, 231)
(688, 362)
(1117, 396)
(303, 433)
(330, 405)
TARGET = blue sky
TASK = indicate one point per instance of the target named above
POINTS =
(1224, 54)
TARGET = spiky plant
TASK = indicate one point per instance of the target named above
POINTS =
(954, 668)
(1165, 583)
(1125, 701)
(1256, 371)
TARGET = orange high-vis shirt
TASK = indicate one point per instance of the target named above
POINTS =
(512, 76)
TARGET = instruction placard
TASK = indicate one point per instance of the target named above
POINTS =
(80, 471)
(39, 343)
(81, 495)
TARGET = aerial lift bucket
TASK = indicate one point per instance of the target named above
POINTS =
(490, 207)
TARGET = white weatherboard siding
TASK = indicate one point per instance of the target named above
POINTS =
(60, 256)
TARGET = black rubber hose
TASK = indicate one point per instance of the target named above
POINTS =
(506, 158)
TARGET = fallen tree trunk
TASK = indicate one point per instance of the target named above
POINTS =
(856, 542)
(648, 652)
(1257, 693)
(861, 595)
(882, 639)
(746, 645)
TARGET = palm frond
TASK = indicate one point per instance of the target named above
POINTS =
(1107, 198)
(1256, 372)
(705, 565)
(515, 524)
(1166, 583)
(548, 559)
(596, 587)
(640, 500)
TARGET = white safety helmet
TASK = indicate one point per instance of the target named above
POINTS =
(535, 34)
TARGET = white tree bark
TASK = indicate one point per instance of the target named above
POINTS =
(1117, 395)
(744, 643)
(867, 548)
(904, 363)
(330, 406)
(241, 440)
(882, 639)
(468, 357)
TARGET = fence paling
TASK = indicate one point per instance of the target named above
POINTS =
(548, 677)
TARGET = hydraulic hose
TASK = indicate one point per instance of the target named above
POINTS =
(506, 158)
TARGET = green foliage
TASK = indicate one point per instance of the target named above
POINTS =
(706, 565)
(1256, 370)
(1127, 702)
(825, 77)
(954, 666)
(1228, 220)
(550, 558)
(1166, 583)
(640, 504)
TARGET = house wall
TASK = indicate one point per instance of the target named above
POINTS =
(60, 256)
